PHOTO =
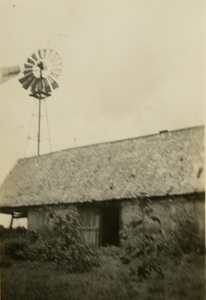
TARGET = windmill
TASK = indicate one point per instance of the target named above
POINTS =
(39, 77)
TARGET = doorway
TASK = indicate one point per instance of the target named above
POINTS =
(110, 226)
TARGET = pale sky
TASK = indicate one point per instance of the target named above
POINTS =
(130, 68)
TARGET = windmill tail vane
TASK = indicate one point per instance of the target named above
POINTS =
(8, 73)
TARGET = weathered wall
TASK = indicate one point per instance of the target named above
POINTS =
(167, 209)
(36, 218)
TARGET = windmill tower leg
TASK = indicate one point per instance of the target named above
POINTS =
(39, 127)
(47, 121)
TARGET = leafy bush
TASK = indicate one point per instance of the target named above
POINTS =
(6, 233)
(153, 249)
(60, 241)
(15, 246)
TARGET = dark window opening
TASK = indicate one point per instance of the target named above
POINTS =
(110, 226)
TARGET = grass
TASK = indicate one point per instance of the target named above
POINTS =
(183, 280)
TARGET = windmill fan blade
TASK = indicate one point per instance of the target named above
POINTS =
(48, 53)
(25, 78)
(30, 61)
(27, 71)
(34, 82)
(58, 65)
(54, 75)
(37, 87)
(8, 73)
(47, 86)
(44, 52)
(40, 85)
(22, 80)
(27, 83)
(43, 86)
(53, 83)
(40, 54)
(28, 66)
(34, 57)
(56, 69)
(55, 57)
(57, 62)
(56, 72)
(33, 85)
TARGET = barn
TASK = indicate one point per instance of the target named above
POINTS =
(104, 182)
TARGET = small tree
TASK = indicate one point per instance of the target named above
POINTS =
(140, 242)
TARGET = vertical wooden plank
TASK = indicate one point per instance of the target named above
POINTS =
(90, 221)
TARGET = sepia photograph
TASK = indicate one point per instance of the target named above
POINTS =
(102, 150)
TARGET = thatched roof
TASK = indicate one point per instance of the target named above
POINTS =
(169, 163)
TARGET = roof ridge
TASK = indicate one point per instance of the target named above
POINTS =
(112, 142)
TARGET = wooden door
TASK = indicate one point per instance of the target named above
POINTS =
(90, 222)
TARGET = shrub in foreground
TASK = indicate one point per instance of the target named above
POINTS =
(60, 242)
